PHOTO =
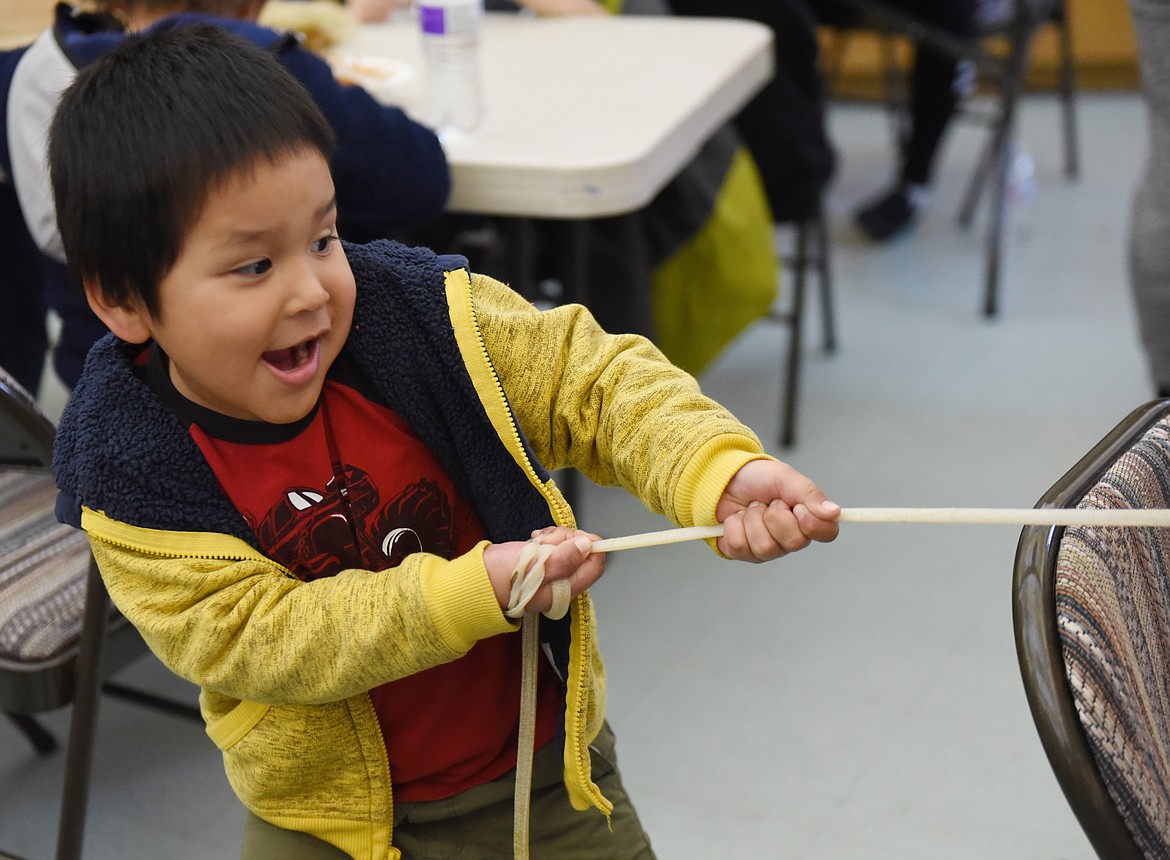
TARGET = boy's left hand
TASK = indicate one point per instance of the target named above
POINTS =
(769, 509)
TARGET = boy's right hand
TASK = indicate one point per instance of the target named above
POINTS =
(571, 561)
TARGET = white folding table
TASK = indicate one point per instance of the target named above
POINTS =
(586, 116)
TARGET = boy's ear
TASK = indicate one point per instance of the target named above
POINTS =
(130, 322)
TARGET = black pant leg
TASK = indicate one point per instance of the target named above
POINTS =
(783, 126)
(23, 338)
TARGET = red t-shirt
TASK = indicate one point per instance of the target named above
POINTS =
(350, 486)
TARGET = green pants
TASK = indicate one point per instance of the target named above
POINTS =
(477, 824)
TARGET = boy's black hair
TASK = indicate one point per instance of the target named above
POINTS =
(143, 134)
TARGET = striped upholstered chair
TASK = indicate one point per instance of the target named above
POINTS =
(1092, 619)
(59, 637)
(43, 567)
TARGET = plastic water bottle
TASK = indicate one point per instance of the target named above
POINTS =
(450, 40)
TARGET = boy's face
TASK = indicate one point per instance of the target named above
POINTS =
(259, 302)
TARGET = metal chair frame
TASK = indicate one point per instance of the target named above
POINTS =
(810, 256)
(1038, 647)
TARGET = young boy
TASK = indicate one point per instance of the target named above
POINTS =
(381, 196)
(308, 472)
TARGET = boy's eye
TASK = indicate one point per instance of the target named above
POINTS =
(255, 269)
(321, 246)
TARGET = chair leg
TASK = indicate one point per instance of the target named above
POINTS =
(1012, 84)
(83, 723)
(41, 739)
(976, 185)
(994, 249)
(825, 284)
(1072, 155)
(150, 700)
(522, 234)
(795, 320)
(895, 91)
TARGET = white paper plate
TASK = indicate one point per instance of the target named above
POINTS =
(382, 77)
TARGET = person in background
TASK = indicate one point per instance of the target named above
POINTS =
(373, 11)
(938, 83)
(24, 337)
(1149, 229)
(391, 172)
(312, 472)
(784, 125)
(564, 7)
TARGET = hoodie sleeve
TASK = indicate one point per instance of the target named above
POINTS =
(612, 406)
(228, 619)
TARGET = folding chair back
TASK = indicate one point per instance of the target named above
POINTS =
(1092, 617)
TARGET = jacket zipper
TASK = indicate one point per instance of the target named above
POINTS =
(562, 515)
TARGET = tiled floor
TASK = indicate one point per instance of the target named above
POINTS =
(858, 700)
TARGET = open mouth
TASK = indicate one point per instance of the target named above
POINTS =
(293, 358)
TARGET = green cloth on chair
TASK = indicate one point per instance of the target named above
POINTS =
(723, 278)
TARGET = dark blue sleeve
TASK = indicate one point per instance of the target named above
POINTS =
(67, 510)
(391, 173)
(8, 61)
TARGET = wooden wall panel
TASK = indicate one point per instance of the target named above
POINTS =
(1103, 45)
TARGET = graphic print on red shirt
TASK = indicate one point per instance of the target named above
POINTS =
(306, 528)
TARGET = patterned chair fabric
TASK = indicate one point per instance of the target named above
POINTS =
(43, 568)
(1113, 616)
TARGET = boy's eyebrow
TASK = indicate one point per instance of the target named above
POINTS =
(251, 235)
(329, 207)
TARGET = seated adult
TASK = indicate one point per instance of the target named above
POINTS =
(784, 124)
(390, 172)
(938, 82)
(23, 336)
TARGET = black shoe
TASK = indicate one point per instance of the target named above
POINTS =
(891, 213)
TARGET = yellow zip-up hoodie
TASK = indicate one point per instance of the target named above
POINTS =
(284, 665)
